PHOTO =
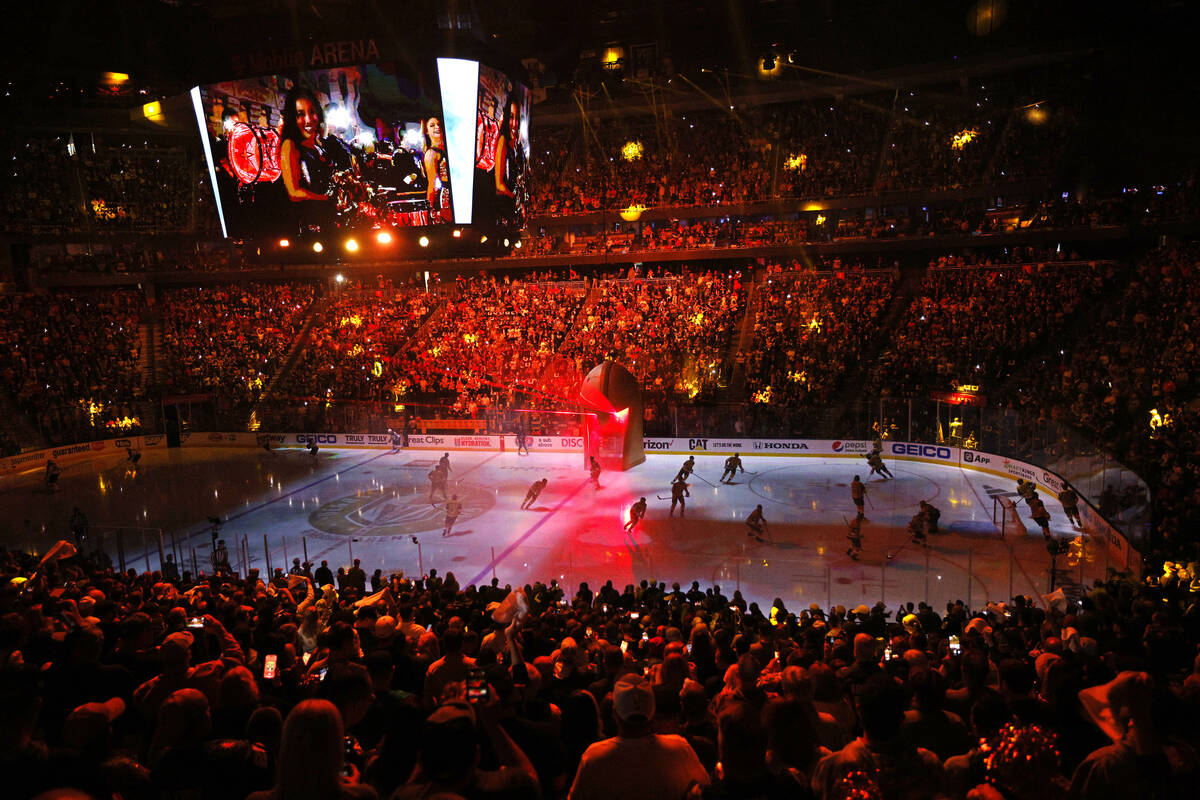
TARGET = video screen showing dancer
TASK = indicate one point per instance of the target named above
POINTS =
(502, 149)
(342, 148)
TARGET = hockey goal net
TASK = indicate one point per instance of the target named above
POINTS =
(1005, 518)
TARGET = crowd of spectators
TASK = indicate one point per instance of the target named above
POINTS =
(1126, 381)
(64, 183)
(230, 340)
(973, 325)
(810, 331)
(673, 332)
(285, 686)
(70, 360)
(492, 340)
(361, 327)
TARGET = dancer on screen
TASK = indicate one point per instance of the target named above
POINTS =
(309, 158)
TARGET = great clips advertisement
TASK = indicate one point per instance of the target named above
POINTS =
(364, 147)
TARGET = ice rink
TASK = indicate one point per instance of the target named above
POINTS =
(374, 505)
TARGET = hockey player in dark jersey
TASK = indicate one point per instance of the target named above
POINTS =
(636, 512)
(437, 483)
(594, 471)
(732, 465)
(877, 465)
(855, 537)
(685, 471)
(679, 490)
(756, 523)
(531, 496)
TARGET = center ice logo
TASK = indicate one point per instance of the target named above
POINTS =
(385, 514)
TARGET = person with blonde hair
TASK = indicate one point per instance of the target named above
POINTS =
(312, 759)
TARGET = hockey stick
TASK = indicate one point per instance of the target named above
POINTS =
(706, 480)
(907, 542)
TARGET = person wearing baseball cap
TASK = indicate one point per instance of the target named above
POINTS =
(637, 763)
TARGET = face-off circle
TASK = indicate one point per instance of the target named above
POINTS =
(396, 512)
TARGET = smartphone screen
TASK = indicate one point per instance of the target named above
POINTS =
(634, 615)
(477, 688)
(195, 622)
(269, 664)
(955, 645)
(306, 658)
(689, 648)
(322, 672)
(645, 635)
(349, 756)
(624, 646)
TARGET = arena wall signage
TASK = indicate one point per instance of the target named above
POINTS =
(1121, 553)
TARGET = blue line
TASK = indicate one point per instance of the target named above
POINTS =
(303, 488)
(508, 550)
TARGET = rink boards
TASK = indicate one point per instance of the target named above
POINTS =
(1120, 551)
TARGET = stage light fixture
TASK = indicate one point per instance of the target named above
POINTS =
(352, 245)
(423, 241)
(457, 233)
(383, 237)
(483, 239)
(318, 247)
(517, 244)
(340, 278)
(284, 243)
(506, 242)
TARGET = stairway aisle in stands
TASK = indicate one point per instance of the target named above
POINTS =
(739, 345)
(906, 290)
(316, 312)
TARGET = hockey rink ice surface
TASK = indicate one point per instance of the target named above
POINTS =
(371, 504)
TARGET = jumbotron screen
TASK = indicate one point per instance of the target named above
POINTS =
(367, 146)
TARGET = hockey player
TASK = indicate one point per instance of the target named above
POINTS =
(636, 512)
(444, 463)
(52, 474)
(685, 471)
(932, 515)
(1041, 516)
(312, 449)
(1070, 504)
(594, 471)
(397, 441)
(134, 456)
(1027, 490)
(855, 537)
(756, 523)
(732, 465)
(877, 465)
(522, 440)
(437, 483)
(877, 445)
(858, 492)
(453, 509)
(679, 490)
(531, 496)
(916, 528)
